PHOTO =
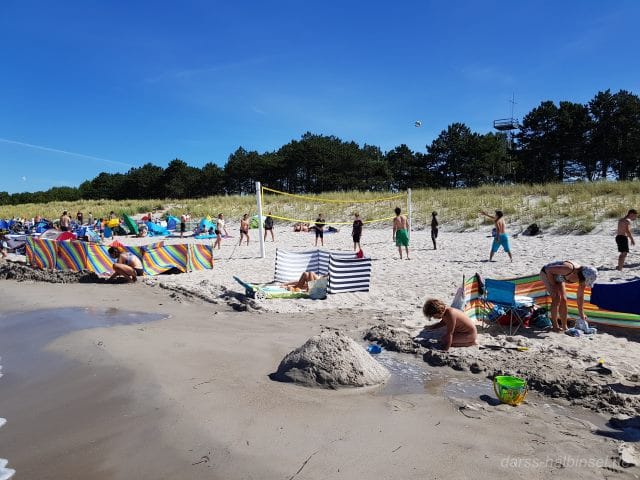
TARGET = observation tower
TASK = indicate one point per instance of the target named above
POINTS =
(508, 125)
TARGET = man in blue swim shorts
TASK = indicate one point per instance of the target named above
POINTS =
(500, 239)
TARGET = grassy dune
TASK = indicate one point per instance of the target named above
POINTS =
(575, 208)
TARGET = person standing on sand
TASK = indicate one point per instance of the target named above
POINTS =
(554, 275)
(356, 232)
(623, 236)
(320, 222)
(219, 229)
(460, 329)
(501, 239)
(183, 223)
(268, 227)
(244, 228)
(401, 232)
(434, 229)
(65, 222)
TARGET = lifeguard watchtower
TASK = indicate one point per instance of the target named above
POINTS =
(508, 125)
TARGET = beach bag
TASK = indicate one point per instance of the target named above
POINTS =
(360, 254)
(318, 289)
(458, 299)
(532, 230)
(542, 321)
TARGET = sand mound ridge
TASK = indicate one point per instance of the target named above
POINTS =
(22, 273)
(331, 360)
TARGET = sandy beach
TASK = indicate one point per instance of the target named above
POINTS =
(189, 395)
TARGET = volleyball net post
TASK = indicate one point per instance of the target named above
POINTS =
(260, 226)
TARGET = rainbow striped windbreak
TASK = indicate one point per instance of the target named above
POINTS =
(98, 259)
(71, 256)
(200, 257)
(77, 256)
(161, 259)
(532, 286)
(41, 253)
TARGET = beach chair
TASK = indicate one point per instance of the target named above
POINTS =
(500, 295)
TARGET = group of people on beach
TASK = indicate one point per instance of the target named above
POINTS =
(460, 330)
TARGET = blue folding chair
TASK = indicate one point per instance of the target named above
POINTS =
(501, 293)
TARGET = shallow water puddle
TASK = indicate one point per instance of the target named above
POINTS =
(28, 367)
(24, 334)
(410, 375)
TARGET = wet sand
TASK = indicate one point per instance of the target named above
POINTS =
(189, 397)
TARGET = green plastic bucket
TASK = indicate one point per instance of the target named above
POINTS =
(510, 390)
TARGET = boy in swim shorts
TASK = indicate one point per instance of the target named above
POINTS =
(401, 232)
(623, 236)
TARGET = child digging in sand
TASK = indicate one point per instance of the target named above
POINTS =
(460, 329)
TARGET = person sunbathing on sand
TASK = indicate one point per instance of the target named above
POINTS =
(461, 331)
(302, 284)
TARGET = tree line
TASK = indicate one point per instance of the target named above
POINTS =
(553, 143)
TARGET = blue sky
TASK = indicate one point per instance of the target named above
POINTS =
(89, 86)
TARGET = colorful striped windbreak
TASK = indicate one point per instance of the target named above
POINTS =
(532, 286)
(138, 250)
(98, 259)
(71, 256)
(159, 260)
(200, 256)
(77, 256)
(41, 253)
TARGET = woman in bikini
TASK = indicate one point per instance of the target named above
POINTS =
(554, 275)
(127, 265)
(302, 284)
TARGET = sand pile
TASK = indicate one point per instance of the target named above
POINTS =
(331, 360)
(21, 273)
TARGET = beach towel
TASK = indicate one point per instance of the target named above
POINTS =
(205, 236)
(621, 297)
(263, 292)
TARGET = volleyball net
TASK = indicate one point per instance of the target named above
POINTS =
(304, 209)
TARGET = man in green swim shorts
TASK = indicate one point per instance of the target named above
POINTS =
(401, 232)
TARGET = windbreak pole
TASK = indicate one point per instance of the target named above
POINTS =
(260, 226)
(409, 212)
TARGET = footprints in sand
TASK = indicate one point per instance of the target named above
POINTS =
(397, 405)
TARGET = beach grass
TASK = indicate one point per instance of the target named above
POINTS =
(564, 208)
